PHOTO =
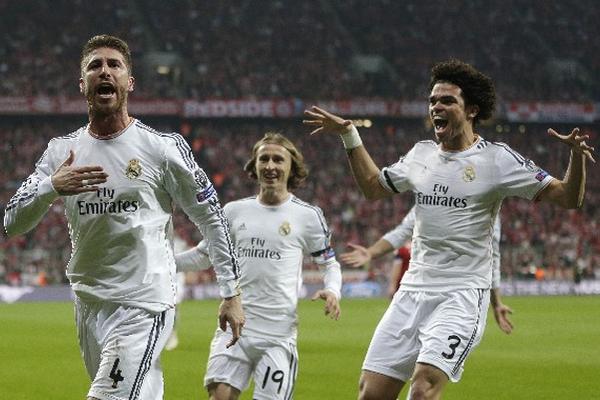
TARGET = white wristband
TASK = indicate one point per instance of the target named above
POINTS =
(351, 139)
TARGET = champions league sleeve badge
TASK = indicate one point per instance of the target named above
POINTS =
(134, 169)
(541, 175)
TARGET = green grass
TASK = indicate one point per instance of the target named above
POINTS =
(554, 352)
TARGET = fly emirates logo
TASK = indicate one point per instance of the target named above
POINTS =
(257, 250)
(105, 203)
(440, 197)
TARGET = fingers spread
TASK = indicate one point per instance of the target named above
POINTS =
(312, 122)
(313, 114)
(316, 131)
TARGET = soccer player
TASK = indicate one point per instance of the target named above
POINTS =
(438, 315)
(272, 232)
(402, 233)
(118, 179)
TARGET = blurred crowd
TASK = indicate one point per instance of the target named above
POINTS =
(314, 49)
(538, 241)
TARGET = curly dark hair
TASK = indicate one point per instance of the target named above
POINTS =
(112, 42)
(477, 88)
(298, 171)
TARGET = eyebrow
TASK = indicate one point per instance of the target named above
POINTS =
(445, 97)
(108, 60)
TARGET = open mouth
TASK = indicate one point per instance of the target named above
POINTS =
(439, 123)
(106, 90)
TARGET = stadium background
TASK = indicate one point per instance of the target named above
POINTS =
(223, 73)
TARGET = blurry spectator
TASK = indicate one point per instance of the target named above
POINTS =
(561, 241)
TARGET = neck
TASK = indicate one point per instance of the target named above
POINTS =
(109, 124)
(461, 142)
(273, 196)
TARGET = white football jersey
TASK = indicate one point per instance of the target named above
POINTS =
(121, 234)
(457, 198)
(271, 242)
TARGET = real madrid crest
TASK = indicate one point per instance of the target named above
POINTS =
(285, 229)
(134, 169)
(469, 174)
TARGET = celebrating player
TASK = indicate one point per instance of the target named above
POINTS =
(402, 233)
(118, 179)
(272, 232)
(438, 315)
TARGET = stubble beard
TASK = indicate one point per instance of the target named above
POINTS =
(98, 110)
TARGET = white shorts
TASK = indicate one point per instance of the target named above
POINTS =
(272, 363)
(121, 347)
(434, 328)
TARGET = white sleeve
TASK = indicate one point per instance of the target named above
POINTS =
(496, 253)
(402, 232)
(33, 199)
(394, 178)
(194, 259)
(318, 239)
(332, 277)
(189, 186)
(519, 176)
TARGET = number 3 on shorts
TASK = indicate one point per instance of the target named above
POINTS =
(277, 377)
(454, 342)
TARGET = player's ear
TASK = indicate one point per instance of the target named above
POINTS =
(474, 111)
(81, 86)
(131, 84)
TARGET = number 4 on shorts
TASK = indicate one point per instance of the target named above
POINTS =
(115, 374)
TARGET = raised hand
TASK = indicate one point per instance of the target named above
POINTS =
(576, 141)
(68, 180)
(357, 257)
(324, 122)
(332, 304)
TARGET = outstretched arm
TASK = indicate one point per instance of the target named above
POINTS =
(570, 192)
(360, 255)
(194, 259)
(366, 173)
(393, 239)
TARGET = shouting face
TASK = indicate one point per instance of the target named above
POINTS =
(449, 115)
(105, 81)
